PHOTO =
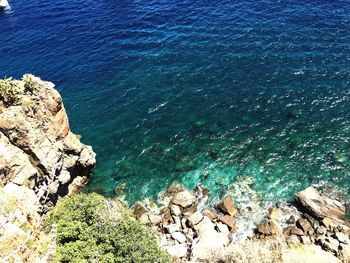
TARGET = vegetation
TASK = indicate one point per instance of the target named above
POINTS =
(29, 82)
(11, 91)
(91, 228)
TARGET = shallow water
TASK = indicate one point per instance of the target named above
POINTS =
(195, 91)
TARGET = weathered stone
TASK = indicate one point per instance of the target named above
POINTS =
(195, 218)
(211, 214)
(320, 206)
(173, 189)
(227, 206)
(39, 150)
(155, 219)
(184, 199)
(172, 228)
(179, 237)
(177, 251)
(305, 240)
(291, 220)
(330, 244)
(229, 221)
(296, 231)
(345, 252)
(208, 240)
(175, 210)
(269, 228)
(321, 230)
(273, 213)
(223, 228)
(330, 223)
(343, 238)
(167, 218)
(139, 210)
(305, 225)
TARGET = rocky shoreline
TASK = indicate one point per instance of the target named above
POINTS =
(192, 231)
(42, 161)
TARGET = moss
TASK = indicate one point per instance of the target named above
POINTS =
(29, 81)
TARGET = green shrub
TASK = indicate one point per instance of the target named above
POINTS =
(11, 91)
(29, 81)
(91, 228)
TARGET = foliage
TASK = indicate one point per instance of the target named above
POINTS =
(11, 91)
(29, 81)
(91, 228)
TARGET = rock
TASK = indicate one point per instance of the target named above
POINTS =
(167, 218)
(305, 225)
(296, 231)
(321, 230)
(330, 244)
(222, 228)
(345, 252)
(305, 240)
(179, 237)
(229, 221)
(195, 218)
(320, 206)
(208, 240)
(273, 213)
(330, 223)
(177, 251)
(187, 212)
(155, 219)
(174, 189)
(139, 210)
(227, 206)
(211, 214)
(269, 228)
(175, 210)
(37, 148)
(184, 199)
(172, 228)
(343, 238)
(291, 220)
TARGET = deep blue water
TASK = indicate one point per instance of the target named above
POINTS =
(195, 91)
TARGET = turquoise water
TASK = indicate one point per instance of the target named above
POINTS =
(196, 91)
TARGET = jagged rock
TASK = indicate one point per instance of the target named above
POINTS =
(321, 230)
(222, 228)
(178, 251)
(155, 219)
(273, 213)
(208, 240)
(172, 228)
(269, 228)
(296, 231)
(291, 220)
(184, 199)
(330, 224)
(229, 221)
(37, 148)
(211, 214)
(345, 252)
(227, 206)
(173, 189)
(305, 225)
(179, 237)
(195, 218)
(187, 212)
(343, 238)
(175, 210)
(320, 206)
(330, 244)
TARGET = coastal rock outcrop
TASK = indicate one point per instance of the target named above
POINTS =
(37, 149)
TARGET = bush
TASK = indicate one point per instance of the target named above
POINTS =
(91, 228)
(11, 91)
(29, 82)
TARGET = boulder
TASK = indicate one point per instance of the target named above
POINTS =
(178, 236)
(211, 214)
(320, 206)
(227, 206)
(269, 228)
(229, 221)
(305, 225)
(273, 213)
(195, 218)
(184, 199)
(177, 251)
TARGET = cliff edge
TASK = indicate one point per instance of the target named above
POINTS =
(38, 152)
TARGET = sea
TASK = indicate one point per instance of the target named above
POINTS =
(195, 92)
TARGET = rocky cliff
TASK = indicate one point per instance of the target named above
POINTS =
(37, 149)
